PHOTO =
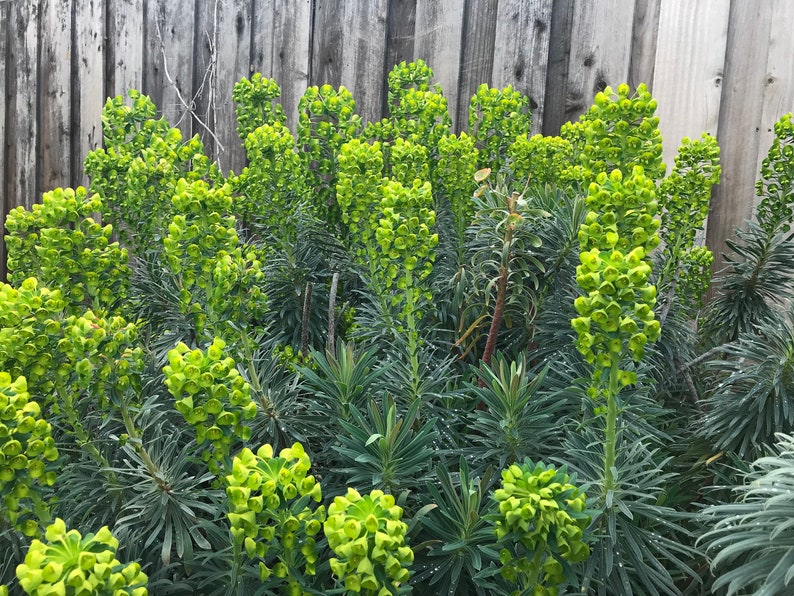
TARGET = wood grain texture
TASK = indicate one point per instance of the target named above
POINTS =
(56, 94)
(169, 60)
(555, 97)
(688, 73)
(644, 35)
(439, 35)
(5, 20)
(600, 51)
(89, 83)
(400, 30)
(233, 47)
(521, 57)
(281, 37)
(477, 51)
(779, 80)
(739, 121)
(124, 65)
(22, 135)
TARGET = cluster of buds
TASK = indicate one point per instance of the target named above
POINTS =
(137, 170)
(619, 131)
(26, 450)
(457, 163)
(775, 186)
(213, 397)
(618, 234)
(497, 117)
(103, 353)
(409, 161)
(218, 280)
(368, 538)
(60, 239)
(274, 181)
(695, 277)
(327, 119)
(269, 511)
(543, 160)
(29, 319)
(404, 235)
(542, 511)
(254, 104)
(358, 191)
(69, 563)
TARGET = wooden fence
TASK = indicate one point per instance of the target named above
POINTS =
(721, 66)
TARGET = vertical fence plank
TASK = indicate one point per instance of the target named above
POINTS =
(644, 38)
(439, 35)
(555, 99)
(280, 48)
(22, 136)
(521, 58)
(56, 96)
(89, 87)
(779, 80)
(5, 23)
(600, 51)
(124, 61)
(739, 121)
(349, 49)
(477, 50)
(168, 59)
(223, 53)
(688, 73)
(400, 28)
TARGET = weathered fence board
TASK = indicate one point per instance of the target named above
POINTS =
(55, 74)
(169, 54)
(124, 64)
(644, 42)
(438, 38)
(522, 54)
(89, 97)
(280, 48)
(688, 72)
(600, 51)
(740, 119)
(723, 66)
(477, 50)
(779, 79)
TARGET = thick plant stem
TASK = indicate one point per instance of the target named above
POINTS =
(330, 345)
(132, 431)
(498, 312)
(610, 432)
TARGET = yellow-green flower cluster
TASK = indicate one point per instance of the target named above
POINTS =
(619, 232)
(405, 241)
(620, 131)
(255, 104)
(213, 397)
(326, 121)
(543, 160)
(358, 191)
(269, 511)
(60, 240)
(685, 194)
(218, 280)
(136, 172)
(274, 182)
(695, 277)
(497, 117)
(408, 75)
(540, 510)
(457, 163)
(409, 161)
(26, 450)
(68, 563)
(368, 538)
(776, 186)
(101, 355)
(29, 332)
